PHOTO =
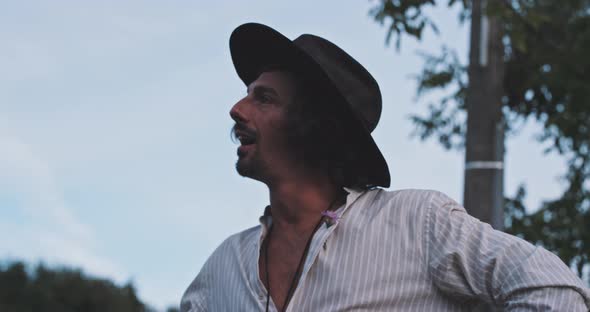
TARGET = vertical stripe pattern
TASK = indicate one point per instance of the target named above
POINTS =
(407, 250)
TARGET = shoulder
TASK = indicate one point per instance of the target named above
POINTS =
(407, 206)
(416, 206)
(229, 249)
(220, 268)
(236, 243)
(413, 199)
(230, 253)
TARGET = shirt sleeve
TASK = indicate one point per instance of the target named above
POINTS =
(468, 260)
(195, 297)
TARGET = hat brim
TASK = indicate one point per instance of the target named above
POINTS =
(255, 46)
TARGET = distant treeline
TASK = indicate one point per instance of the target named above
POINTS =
(63, 289)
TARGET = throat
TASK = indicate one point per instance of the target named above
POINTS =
(281, 264)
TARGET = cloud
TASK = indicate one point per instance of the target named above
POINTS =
(50, 231)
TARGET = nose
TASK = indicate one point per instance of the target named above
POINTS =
(237, 112)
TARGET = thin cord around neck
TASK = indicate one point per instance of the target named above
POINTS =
(299, 266)
(266, 267)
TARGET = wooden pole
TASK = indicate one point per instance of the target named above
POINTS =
(484, 151)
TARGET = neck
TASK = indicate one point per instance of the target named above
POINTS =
(297, 204)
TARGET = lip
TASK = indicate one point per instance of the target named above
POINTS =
(243, 149)
(244, 137)
(243, 131)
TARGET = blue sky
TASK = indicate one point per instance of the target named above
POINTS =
(115, 154)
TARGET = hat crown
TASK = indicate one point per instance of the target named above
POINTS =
(352, 80)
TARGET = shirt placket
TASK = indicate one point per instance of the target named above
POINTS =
(318, 241)
(260, 290)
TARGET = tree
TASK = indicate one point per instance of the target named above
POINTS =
(62, 290)
(546, 78)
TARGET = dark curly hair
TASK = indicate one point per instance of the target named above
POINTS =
(318, 128)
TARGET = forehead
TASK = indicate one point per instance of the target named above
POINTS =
(283, 83)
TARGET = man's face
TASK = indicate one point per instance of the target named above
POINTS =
(260, 126)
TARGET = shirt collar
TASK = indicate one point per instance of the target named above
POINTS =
(266, 218)
(353, 195)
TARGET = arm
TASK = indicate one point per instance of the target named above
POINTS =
(468, 259)
(195, 297)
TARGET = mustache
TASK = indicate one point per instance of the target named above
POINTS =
(239, 127)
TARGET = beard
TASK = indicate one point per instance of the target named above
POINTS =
(259, 163)
(250, 166)
(245, 168)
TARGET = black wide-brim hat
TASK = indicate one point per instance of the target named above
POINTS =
(255, 47)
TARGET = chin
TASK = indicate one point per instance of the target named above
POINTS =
(241, 169)
(244, 168)
(249, 169)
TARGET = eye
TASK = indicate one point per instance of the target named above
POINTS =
(262, 97)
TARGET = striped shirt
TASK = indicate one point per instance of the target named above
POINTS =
(408, 250)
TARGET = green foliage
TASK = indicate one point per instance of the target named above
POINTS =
(447, 119)
(547, 78)
(61, 290)
(561, 225)
(404, 17)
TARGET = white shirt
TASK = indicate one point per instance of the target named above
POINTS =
(409, 250)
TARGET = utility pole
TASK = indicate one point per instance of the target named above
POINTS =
(484, 151)
(484, 146)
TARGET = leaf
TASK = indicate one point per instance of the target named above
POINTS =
(546, 78)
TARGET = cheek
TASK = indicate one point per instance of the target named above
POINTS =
(278, 122)
(276, 135)
(277, 126)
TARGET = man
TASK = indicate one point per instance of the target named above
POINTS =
(331, 240)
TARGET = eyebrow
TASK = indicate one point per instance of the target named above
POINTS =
(263, 89)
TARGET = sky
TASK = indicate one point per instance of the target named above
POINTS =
(115, 149)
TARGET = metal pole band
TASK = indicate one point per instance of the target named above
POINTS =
(497, 165)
